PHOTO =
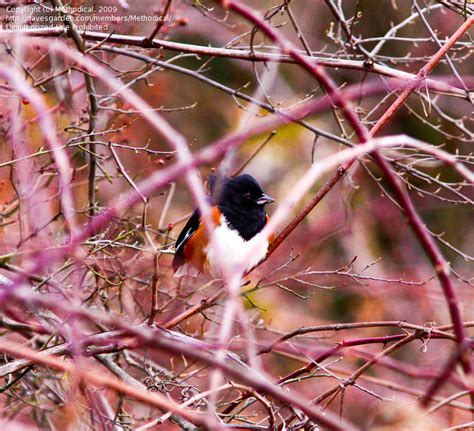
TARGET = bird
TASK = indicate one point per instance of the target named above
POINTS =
(239, 216)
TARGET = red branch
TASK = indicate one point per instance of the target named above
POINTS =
(424, 237)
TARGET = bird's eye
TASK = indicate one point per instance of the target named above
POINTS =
(247, 195)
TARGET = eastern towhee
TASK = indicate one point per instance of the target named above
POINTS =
(239, 216)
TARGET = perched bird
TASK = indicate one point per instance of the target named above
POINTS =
(238, 212)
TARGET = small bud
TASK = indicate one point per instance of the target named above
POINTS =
(182, 22)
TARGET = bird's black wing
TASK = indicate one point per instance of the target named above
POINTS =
(190, 227)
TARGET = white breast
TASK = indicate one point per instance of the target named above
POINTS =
(236, 251)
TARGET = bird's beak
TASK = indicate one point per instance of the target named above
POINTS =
(264, 199)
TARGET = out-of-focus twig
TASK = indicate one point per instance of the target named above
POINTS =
(97, 378)
(427, 241)
(93, 105)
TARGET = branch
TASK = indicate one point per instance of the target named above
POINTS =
(97, 378)
(93, 104)
(236, 54)
(426, 240)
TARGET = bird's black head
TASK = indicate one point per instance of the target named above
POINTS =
(242, 192)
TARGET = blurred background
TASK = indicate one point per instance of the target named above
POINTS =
(354, 258)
